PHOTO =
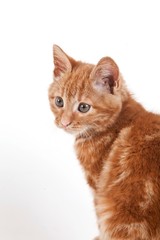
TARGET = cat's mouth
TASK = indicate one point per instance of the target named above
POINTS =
(75, 130)
(69, 129)
(79, 132)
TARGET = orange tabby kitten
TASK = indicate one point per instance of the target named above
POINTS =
(117, 143)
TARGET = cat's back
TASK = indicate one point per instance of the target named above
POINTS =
(129, 185)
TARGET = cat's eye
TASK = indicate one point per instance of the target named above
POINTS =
(83, 107)
(59, 102)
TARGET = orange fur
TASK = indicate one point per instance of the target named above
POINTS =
(117, 143)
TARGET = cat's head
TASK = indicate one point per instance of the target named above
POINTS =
(85, 98)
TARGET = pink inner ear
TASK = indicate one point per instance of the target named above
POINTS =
(105, 75)
(60, 67)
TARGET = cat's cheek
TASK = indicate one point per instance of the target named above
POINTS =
(57, 122)
(53, 109)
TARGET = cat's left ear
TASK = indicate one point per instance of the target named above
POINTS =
(62, 62)
(105, 75)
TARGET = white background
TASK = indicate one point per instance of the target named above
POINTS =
(43, 193)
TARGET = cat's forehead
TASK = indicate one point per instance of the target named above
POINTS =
(77, 89)
(78, 85)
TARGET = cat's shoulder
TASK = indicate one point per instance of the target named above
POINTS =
(144, 135)
(147, 124)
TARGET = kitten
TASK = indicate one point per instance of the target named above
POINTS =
(117, 143)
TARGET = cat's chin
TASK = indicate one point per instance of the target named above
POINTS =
(74, 132)
(83, 133)
(69, 130)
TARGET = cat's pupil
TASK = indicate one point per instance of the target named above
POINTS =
(83, 107)
(59, 102)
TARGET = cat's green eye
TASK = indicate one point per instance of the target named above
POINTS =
(83, 107)
(59, 102)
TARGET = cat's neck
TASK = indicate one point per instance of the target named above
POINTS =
(94, 148)
(130, 112)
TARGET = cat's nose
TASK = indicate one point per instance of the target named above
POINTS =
(65, 122)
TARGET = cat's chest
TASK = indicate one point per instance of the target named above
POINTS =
(91, 155)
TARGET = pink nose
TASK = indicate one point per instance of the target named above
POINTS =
(65, 122)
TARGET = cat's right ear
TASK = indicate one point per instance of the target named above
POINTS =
(105, 75)
(62, 62)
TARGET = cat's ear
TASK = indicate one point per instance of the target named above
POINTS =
(62, 62)
(105, 75)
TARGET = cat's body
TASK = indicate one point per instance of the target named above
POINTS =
(117, 143)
